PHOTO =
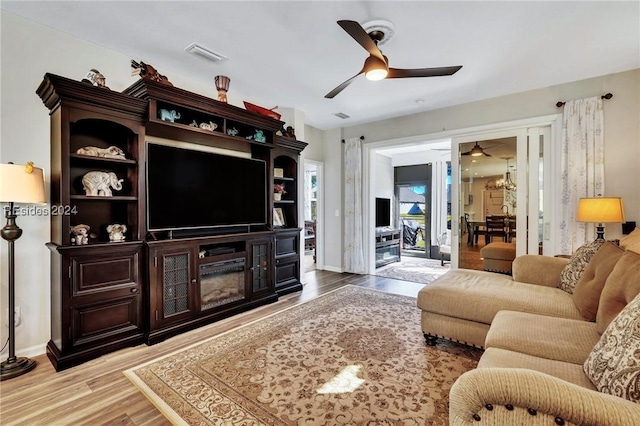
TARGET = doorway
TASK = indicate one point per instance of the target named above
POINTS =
(312, 214)
(515, 192)
(487, 199)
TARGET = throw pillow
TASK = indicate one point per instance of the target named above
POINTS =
(631, 241)
(622, 285)
(571, 273)
(587, 291)
(613, 366)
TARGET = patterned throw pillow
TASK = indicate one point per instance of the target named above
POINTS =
(614, 363)
(571, 273)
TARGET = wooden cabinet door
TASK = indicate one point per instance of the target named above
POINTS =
(173, 285)
(259, 257)
(287, 259)
(105, 295)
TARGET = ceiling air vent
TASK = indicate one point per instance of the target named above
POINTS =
(204, 52)
(341, 115)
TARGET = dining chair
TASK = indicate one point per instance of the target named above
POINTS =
(495, 226)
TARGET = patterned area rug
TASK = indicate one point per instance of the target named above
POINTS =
(420, 271)
(354, 356)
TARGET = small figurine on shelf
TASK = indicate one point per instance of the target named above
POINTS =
(148, 72)
(98, 183)
(232, 131)
(259, 136)
(80, 235)
(211, 126)
(168, 115)
(116, 232)
(95, 78)
(290, 132)
(194, 123)
(111, 152)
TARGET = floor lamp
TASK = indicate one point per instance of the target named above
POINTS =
(23, 185)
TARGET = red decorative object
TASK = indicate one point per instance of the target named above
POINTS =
(262, 111)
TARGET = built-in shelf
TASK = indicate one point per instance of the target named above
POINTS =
(102, 159)
(102, 198)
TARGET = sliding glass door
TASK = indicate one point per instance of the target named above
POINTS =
(505, 175)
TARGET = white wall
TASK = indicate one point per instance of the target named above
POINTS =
(384, 180)
(333, 199)
(314, 150)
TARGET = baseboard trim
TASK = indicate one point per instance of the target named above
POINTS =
(27, 352)
(333, 269)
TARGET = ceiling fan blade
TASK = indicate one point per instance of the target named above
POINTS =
(422, 72)
(341, 87)
(358, 33)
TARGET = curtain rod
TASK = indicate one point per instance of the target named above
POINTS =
(361, 138)
(607, 96)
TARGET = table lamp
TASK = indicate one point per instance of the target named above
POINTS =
(600, 210)
(23, 185)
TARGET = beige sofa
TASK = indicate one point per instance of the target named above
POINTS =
(537, 341)
(461, 304)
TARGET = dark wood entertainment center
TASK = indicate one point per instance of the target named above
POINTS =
(109, 295)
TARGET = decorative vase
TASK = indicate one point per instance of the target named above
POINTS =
(222, 84)
(277, 196)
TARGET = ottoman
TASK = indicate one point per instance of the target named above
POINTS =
(498, 257)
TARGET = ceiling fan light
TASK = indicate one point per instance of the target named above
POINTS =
(376, 74)
(375, 69)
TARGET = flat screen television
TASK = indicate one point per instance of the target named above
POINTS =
(191, 189)
(383, 212)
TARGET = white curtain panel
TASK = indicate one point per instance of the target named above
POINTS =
(438, 200)
(582, 167)
(353, 223)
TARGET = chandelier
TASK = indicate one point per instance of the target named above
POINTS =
(506, 183)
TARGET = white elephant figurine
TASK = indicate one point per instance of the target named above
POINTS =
(100, 183)
(116, 232)
(170, 116)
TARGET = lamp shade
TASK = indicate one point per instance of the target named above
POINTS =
(21, 184)
(601, 210)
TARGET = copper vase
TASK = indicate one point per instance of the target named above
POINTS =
(222, 84)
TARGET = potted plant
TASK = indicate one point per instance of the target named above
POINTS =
(278, 190)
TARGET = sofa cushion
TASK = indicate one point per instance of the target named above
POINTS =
(542, 336)
(587, 291)
(631, 241)
(571, 273)
(621, 287)
(614, 364)
(478, 296)
(496, 357)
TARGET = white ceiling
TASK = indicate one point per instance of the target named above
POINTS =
(291, 54)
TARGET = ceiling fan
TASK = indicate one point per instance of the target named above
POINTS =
(476, 151)
(376, 66)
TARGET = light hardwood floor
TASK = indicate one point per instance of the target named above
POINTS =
(97, 393)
